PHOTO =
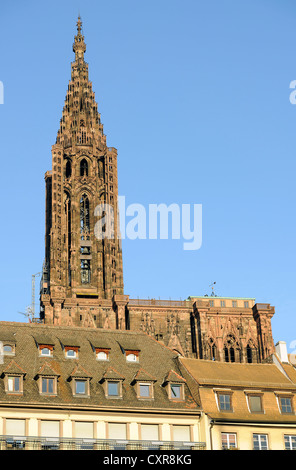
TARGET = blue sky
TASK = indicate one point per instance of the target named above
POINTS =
(195, 97)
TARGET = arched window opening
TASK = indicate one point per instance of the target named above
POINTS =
(226, 354)
(231, 349)
(68, 169)
(212, 350)
(251, 353)
(83, 168)
(232, 356)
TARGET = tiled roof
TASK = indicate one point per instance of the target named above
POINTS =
(221, 373)
(156, 360)
(208, 377)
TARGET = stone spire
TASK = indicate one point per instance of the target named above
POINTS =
(81, 122)
(79, 46)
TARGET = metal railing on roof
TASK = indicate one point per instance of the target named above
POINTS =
(52, 443)
(159, 303)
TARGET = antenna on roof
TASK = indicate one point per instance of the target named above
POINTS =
(213, 289)
(30, 311)
(28, 314)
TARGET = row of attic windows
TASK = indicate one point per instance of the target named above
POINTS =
(48, 385)
(102, 354)
(255, 402)
(72, 352)
(80, 386)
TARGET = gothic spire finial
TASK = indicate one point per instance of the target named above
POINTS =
(79, 24)
(79, 46)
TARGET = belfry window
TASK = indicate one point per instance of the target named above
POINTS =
(231, 349)
(85, 271)
(212, 351)
(83, 168)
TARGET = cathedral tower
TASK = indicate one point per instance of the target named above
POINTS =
(83, 265)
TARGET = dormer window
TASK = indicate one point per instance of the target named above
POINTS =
(144, 385)
(113, 388)
(71, 352)
(45, 350)
(8, 349)
(175, 386)
(13, 376)
(13, 383)
(145, 390)
(132, 356)
(80, 382)
(176, 391)
(102, 354)
(112, 383)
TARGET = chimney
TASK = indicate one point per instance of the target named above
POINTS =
(281, 350)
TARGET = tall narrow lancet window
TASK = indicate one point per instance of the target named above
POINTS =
(83, 168)
(84, 218)
(212, 350)
(68, 169)
(85, 235)
(249, 354)
(68, 236)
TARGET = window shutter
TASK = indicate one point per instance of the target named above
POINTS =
(117, 431)
(84, 430)
(149, 432)
(181, 433)
(50, 429)
(15, 427)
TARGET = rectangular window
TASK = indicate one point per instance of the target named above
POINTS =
(222, 303)
(113, 389)
(145, 390)
(255, 404)
(50, 431)
(176, 391)
(228, 440)
(117, 432)
(286, 405)
(181, 433)
(15, 427)
(224, 402)
(80, 387)
(84, 430)
(246, 304)
(13, 384)
(211, 303)
(149, 432)
(260, 442)
(290, 442)
(47, 385)
(234, 303)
